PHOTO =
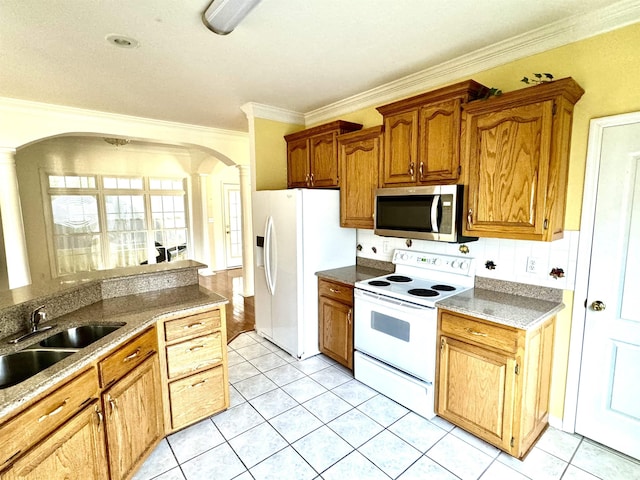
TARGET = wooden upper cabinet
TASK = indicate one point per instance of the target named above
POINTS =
(359, 159)
(297, 163)
(422, 136)
(517, 149)
(312, 155)
(401, 148)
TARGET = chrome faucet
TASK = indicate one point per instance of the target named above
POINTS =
(34, 325)
(36, 317)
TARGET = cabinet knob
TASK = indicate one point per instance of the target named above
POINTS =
(411, 169)
(421, 170)
(312, 181)
(470, 218)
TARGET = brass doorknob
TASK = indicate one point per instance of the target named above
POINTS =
(598, 306)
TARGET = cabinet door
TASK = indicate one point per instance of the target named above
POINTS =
(74, 451)
(297, 163)
(336, 331)
(509, 152)
(476, 390)
(133, 413)
(439, 142)
(323, 158)
(400, 148)
(359, 174)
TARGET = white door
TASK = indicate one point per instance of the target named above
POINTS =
(608, 408)
(232, 225)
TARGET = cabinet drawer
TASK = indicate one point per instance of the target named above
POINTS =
(191, 326)
(128, 357)
(196, 396)
(31, 426)
(338, 291)
(192, 355)
(479, 332)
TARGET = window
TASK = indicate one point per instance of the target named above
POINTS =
(108, 222)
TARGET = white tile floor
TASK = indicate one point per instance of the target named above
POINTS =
(311, 420)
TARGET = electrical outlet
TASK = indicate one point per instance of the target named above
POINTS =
(533, 265)
(385, 246)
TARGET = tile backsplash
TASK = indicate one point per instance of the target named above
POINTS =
(548, 264)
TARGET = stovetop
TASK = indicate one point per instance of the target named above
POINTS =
(423, 278)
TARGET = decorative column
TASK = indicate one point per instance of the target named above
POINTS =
(201, 252)
(12, 224)
(247, 230)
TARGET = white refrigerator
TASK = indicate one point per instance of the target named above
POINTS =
(296, 233)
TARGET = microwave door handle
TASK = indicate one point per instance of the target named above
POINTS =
(435, 221)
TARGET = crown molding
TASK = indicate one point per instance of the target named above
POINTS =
(563, 32)
(267, 112)
(30, 107)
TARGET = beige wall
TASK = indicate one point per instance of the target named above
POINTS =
(607, 67)
(271, 153)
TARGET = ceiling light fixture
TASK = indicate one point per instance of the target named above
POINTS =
(122, 41)
(223, 16)
(117, 142)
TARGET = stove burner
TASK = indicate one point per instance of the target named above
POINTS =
(443, 288)
(398, 278)
(423, 292)
(379, 283)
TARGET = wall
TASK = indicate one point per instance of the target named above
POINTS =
(607, 67)
(271, 153)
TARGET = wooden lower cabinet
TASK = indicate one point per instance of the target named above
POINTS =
(133, 418)
(75, 451)
(335, 309)
(103, 422)
(193, 362)
(493, 380)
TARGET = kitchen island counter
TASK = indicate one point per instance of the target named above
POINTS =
(136, 311)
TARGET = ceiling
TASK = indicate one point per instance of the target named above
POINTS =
(298, 55)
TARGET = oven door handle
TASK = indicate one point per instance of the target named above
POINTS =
(383, 300)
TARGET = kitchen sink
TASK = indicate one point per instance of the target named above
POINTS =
(79, 337)
(18, 366)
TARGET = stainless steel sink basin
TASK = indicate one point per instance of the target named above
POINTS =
(79, 337)
(17, 367)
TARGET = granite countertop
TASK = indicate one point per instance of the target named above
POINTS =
(504, 308)
(351, 274)
(137, 311)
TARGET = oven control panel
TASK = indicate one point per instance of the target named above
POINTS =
(434, 261)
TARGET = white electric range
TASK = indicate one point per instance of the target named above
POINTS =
(396, 324)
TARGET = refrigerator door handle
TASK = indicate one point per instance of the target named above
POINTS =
(268, 251)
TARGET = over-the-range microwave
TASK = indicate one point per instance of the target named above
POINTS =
(424, 212)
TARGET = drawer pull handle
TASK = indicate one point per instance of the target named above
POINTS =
(53, 412)
(193, 325)
(334, 290)
(476, 333)
(199, 384)
(195, 349)
(132, 356)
